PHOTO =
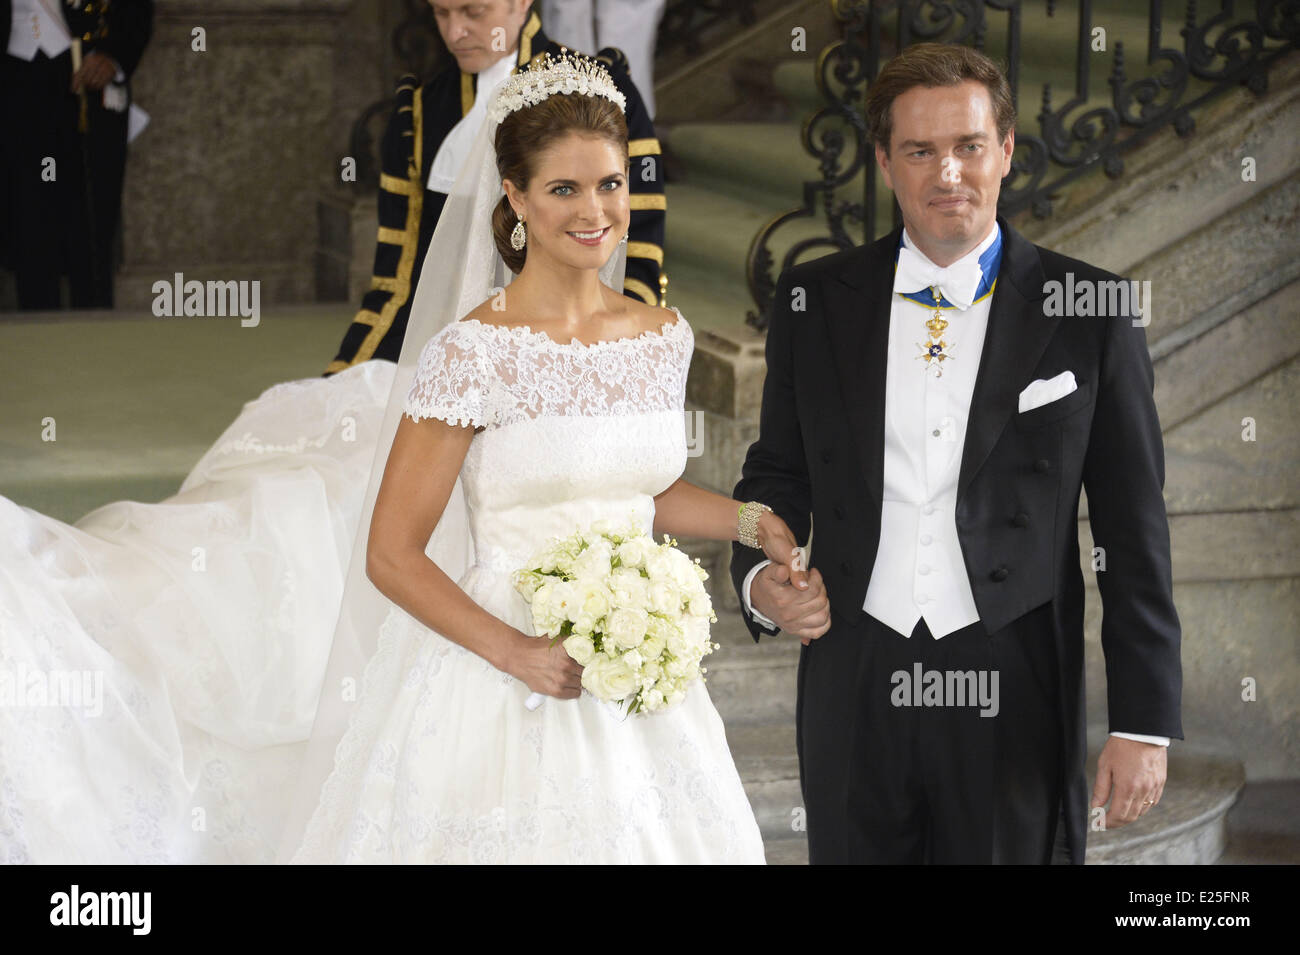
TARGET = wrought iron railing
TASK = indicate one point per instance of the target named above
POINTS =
(1219, 52)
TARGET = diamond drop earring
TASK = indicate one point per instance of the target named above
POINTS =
(519, 236)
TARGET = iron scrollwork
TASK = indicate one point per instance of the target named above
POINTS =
(1221, 52)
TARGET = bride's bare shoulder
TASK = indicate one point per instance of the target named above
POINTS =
(652, 317)
(485, 314)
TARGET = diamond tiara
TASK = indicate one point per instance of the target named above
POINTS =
(550, 75)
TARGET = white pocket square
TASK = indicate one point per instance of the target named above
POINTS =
(1043, 391)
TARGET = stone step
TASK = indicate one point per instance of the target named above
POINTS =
(751, 683)
(786, 851)
(709, 234)
(1209, 467)
(769, 767)
(1190, 827)
(761, 163)
(764, 165)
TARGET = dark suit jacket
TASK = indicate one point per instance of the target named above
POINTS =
(409, 212)
(820, 452)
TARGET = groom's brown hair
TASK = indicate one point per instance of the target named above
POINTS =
(936, 64)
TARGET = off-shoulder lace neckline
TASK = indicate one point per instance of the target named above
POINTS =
(522, 332)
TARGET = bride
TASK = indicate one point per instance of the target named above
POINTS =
(165, 671)
(553, 403)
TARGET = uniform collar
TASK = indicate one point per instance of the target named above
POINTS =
(532, 42)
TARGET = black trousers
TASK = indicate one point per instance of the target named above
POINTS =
(64, 226)
(886, 780)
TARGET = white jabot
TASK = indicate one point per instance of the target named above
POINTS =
(37, 25)
(453, 150)
(958, 281)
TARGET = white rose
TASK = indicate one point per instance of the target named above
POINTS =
(699, 605)
(619, 680)
(593, 676)
(652, 648)
(593, 563)
(633, 660)
(564, 600)
(545, 619)
(663, 596)
(659, 565)
(626, 627)
(593, 604)
(682, 570)
(629, 589)
(679, 641)
(696, 630)
(580, 648)
(632, 552)
(679, 668)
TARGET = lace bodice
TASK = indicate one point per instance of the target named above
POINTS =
(565, 433)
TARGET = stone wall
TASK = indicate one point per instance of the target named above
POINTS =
(244, 140)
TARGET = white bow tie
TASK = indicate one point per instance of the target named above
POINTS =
(957, 282)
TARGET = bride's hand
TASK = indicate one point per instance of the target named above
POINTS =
(780, 546)
(546, 669)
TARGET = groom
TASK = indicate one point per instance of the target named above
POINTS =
(935, 423)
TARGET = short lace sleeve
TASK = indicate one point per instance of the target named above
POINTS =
(452, 379)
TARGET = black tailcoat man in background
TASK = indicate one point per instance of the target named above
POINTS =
(933, 421)
(64, 224)
(430, 132)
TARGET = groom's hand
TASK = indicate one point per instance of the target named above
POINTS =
(1131, 774)
(805, 613)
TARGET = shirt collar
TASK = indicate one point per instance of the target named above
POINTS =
(974, 253)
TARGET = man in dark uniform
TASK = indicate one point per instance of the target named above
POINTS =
(422, 120)
(64, 143)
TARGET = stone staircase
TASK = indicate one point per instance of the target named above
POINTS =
(1223, 340)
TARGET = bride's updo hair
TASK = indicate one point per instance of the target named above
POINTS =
(526, 132)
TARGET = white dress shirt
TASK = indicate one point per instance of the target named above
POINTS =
(919, 571)
(453, 150)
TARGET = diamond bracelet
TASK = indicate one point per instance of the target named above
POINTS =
(748, 523)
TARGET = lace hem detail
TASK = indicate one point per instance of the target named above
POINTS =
(324, 827)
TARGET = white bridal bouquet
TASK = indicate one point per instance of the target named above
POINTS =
(634, 614)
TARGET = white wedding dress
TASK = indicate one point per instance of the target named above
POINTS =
(205, 620)
(441, 761)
